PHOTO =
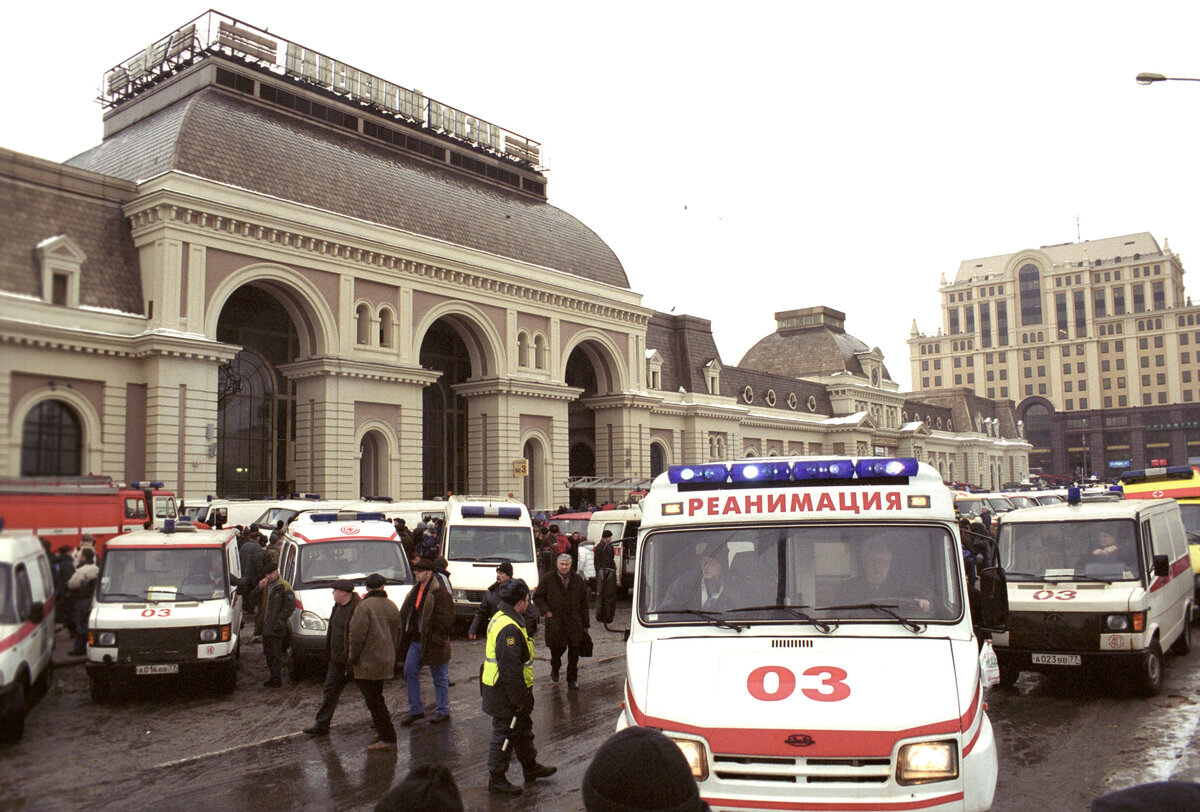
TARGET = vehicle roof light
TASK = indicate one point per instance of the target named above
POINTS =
(371, 517)
(759, 471)
(823, 469)
(887, 466)
(143, 485)
(694, 474)
(493, 511)
(322, 517)
(1074, 496)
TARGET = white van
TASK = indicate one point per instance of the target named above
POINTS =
(322, 547)
(225, 512)
(801, 630)
(26, 629)
(412, 511)
(624, 523)
(285, 510)
(1100, 585)
(166, 603)
(481, 533)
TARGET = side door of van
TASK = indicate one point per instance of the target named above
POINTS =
(234, 561)
(1161, 608)
(1169, 540)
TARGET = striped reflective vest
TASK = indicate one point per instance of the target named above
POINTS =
(491, 668)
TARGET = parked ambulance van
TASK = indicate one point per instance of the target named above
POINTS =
(801, 630)
(481, 534)
(166, 604)
(26, 629)
(1181, 483)
(1096, 585)
(326, 546)
(624, 523)
(225, 512)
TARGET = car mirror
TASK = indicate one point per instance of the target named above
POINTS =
(993, 589)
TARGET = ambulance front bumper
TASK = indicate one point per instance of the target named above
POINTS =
(125, 672)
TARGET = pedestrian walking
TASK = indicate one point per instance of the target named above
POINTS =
(82, 587)
(374, 637)
(491, 600)
(406, 539)
(250, 554)
(427, 620)
(604, 556)
(337, 649)
(278, 604)
(562, 599)
(507, 687)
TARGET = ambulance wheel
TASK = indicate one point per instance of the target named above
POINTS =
(1149, 677)
(42, 686)
(99, 688)
(296, 665)
(1183, 644)
(12, 724)
(227, 679)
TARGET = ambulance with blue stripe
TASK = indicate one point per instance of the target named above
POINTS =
(801, 630)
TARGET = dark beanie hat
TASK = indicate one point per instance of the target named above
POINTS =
(343, 584)
(639, 768)
(513, 591)
(426, 788)
(506, 568)
(375, 581)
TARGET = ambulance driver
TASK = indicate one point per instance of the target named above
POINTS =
(708, 590)
(876, 584)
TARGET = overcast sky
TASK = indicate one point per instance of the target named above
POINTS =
(746, 158)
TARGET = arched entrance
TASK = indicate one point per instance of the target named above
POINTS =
(658, 459)
(51, 441)
(255, 408)
(535, 494)
(444, 412)
(1039, 432)
(372, 465)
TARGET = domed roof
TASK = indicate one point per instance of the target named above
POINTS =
(809, 343)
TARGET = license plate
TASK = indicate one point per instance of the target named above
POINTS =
(173, 668)
(1056, 659)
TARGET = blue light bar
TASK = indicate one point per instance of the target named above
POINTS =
(371, 517)
(472, 510)
(144, 485)
(687, 474)
(478, 511)
(1074, 496)
(887, 467)
(509, 513)
(760, 471)
(322, 517)
(823, 469)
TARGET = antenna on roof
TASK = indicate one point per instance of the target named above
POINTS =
(1078, 238)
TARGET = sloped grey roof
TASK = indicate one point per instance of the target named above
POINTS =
(812, 351)
(237, 141)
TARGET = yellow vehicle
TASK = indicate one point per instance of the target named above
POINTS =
(1178, 482)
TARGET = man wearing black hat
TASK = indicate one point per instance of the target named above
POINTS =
(638, 770)
(337, 647)
(427, 620)
(374, 636)
(278, 606)
(507, 687)
(491, 599)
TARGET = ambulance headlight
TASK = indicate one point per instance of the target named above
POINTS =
(310, 622)
(925, 762)
(1116, 623)
(214, 633)
(105, 639)
(696, 757)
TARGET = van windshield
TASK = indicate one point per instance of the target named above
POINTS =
(1047, 551)
(162, 574)
(1191, 521)
(490, 543)
(352, 559)
(195, 512)
(828, 572)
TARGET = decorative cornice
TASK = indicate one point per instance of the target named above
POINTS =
(151, 212)
(140, 346)
(511, 386)
(341, 368)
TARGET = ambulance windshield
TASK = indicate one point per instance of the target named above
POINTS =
(162, 574)
(790, 574)
(1191, 521)
(353, 559)
(1101, 550)
(490, 543)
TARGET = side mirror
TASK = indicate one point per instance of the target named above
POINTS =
(37, 611)
(993, 588)
(1162, 566)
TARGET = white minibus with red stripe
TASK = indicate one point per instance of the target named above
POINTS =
(1105, 586)
(26, 629)
(801, 630)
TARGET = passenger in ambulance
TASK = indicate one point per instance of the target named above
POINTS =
(1107, 550)
(708, 590)
(877, 584)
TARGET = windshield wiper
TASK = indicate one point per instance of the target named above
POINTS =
(130, 595)
(712, 617)
(794, 610)
(184, 596)
(887, 609)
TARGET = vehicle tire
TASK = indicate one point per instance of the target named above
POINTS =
(41, 686)
(227, 679)
(295, 665)
(1008, 676)
(12, 725)
(1149, 676)
(1183, 645)
(99, 688)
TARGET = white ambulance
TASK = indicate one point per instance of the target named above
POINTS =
(481, 533)
(326, 546)
(166, 604)
(26, 628)
(1099, 585)
(801, 631)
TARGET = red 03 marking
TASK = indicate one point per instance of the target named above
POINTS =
(1059, 595)
(833, 683)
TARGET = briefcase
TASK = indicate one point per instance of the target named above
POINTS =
(585, 646)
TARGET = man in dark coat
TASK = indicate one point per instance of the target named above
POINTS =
(374, 636)
(337, 649)
(491, 600)
(507, 687)
(278, 606)
(604, 557)
(406, 539)
(250, 552)
(562, 598)
(427, 618)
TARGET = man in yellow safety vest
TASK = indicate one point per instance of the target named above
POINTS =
(507, 687)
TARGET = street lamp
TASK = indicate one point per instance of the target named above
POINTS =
(1151, 78)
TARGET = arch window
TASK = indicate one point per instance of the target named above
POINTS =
(748, 394)
(539, 351)
(1029, 285)
(812, 403)
(792, 400)
(51, 441)
(770, 397)
(387, 327)
(362, 324)
(522, 349)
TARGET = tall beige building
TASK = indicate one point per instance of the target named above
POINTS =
(1095, 342)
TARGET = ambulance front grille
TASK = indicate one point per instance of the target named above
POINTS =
(157, 645)
(774, 770)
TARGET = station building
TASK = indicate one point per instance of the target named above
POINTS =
(1095, 341)
(277, 273)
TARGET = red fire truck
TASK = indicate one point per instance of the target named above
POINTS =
(62, 509)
